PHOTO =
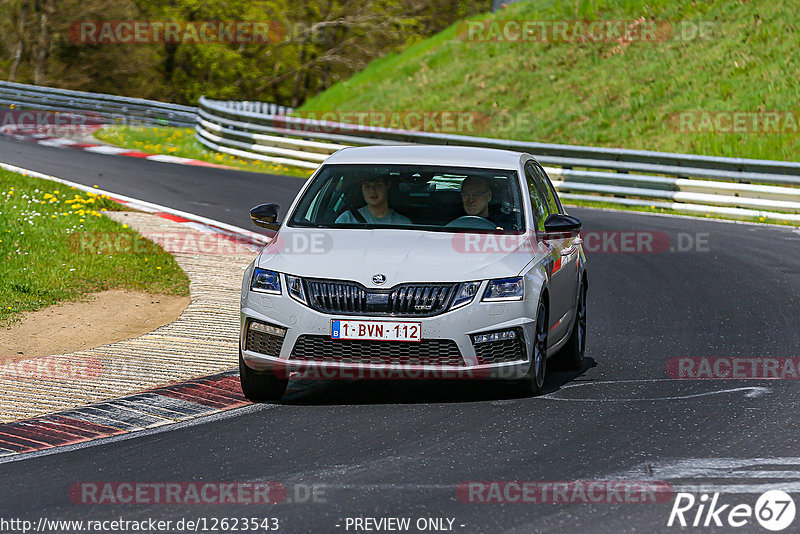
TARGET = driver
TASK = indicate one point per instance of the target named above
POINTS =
(476, 196)
(377, 210)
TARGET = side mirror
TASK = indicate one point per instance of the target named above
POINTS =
(266, 216)
(562, 226)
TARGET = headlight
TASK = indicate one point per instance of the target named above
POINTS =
(294, 285)
(504, 289)
(465, 293)
(265, 281)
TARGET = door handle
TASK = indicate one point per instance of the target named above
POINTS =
(568, 251)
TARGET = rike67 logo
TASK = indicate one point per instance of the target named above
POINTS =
(774, 510)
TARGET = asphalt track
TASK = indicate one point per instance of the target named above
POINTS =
(400, 449)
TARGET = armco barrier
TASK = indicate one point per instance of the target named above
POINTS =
(110, 107)
(734, 187)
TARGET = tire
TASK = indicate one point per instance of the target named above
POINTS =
(570, 357)
(260, 386)
(533, 381)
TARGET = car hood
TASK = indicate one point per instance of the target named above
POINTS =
(400, 255)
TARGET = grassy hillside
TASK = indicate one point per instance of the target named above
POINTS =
(605, 93)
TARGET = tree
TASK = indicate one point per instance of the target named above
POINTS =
(316, 43)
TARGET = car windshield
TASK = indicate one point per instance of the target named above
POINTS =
(451, 199)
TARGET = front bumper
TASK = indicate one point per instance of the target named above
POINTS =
(447, 348)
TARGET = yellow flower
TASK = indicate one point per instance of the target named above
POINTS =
(124, 225)
(159, 268)
(56, 192)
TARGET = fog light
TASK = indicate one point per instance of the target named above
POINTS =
(494, 336)
(268, 329)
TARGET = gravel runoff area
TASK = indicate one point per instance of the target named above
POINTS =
(202, 341)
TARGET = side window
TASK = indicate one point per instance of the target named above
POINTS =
(553, 202)
(537, 199)
(325, 203)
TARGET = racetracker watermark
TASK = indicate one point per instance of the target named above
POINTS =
(208, 493)
(735, 122)
(159, 31)
(384, 369)
(581, 31)
(110, 243)
(605, 242)
(51, 368)
(48, 122)
(343, 122)
(146, 524)
(733, 368)
(465, 122)
(565, 492)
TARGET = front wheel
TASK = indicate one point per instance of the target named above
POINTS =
(533, 381)
(260, 386)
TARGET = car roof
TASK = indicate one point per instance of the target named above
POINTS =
(458, 156)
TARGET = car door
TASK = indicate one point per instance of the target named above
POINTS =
(562, 263)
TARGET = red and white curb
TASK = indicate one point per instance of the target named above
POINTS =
(252, 240)
(156, 407)
(63, 142)
(153, 408)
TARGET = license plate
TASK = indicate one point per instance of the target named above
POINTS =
(376, 330)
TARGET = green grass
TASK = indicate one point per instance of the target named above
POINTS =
(181, 142)
(601, 93)
(43, 259)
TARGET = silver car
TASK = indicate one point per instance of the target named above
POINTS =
(420, 262)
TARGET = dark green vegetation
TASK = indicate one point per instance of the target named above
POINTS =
(306, 47)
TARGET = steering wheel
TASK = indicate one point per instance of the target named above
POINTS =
(472, 221)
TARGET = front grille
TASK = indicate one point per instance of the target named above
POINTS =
(508, 350)
(263, 343)
(426, 352)
(337, 297)
(405, 300)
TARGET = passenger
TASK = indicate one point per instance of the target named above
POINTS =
(476, 196)
(377, 210)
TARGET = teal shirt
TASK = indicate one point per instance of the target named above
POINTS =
(392, 218)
